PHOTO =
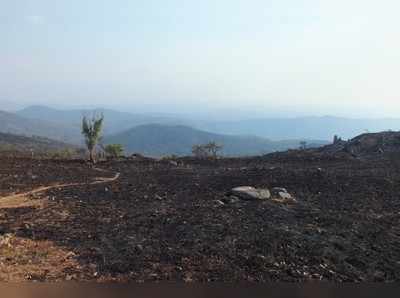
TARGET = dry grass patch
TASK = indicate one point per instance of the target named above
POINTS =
(27, 260)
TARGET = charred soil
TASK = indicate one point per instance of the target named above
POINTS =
(149, 220)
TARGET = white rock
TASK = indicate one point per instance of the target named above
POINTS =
(219, 203)
(251, 193)
(277, 190)
(285, 195)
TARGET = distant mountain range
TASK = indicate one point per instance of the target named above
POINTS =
(158, 135)
(157, 140)
(320, 128)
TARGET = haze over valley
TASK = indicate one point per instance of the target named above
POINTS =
(158, 135)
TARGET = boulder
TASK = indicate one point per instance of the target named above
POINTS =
(282, 194)
(276, 190)
(250, 193)
(285, 195)
(230, 199)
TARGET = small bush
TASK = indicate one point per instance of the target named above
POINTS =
(114, 150)
(63, 153)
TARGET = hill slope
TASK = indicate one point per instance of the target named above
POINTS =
(158, 140)
(114, 121)
(10, 142)
(368, 144)
(18, 125)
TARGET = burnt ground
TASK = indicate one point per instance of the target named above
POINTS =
(160, 221)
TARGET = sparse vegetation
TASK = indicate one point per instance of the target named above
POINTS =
(170, 157)
(35, 147)
(91, 130)
(209, 150)
(66, 153)
(336, 139)
(199, 151)
(303, 145)
(7, 148)
(214, 149)
(114, 150)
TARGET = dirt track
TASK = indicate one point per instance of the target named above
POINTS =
(161, 221)
(20, 200)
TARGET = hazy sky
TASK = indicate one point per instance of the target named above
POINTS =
(277, 57)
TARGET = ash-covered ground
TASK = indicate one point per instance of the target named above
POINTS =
(174, 220)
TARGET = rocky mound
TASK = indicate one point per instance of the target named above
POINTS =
(369, 144)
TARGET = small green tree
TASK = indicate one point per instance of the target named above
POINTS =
(114, 150)
(91, 130)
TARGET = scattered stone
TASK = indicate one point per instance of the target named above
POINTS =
(139, 248)
(219, 203)
(157, 197)
(276, 190)
(250, 193)
(137, 156)
(281, 193)
(285, 195)
(379, 276)
(173, 163)
(70, 255)
(230, 200)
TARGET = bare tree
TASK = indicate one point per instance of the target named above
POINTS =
(199, 151)
(336, 139)
(91, 130)
(213, 149)
(208, 150)
(303, 145)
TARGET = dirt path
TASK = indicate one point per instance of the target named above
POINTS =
(23, 199)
